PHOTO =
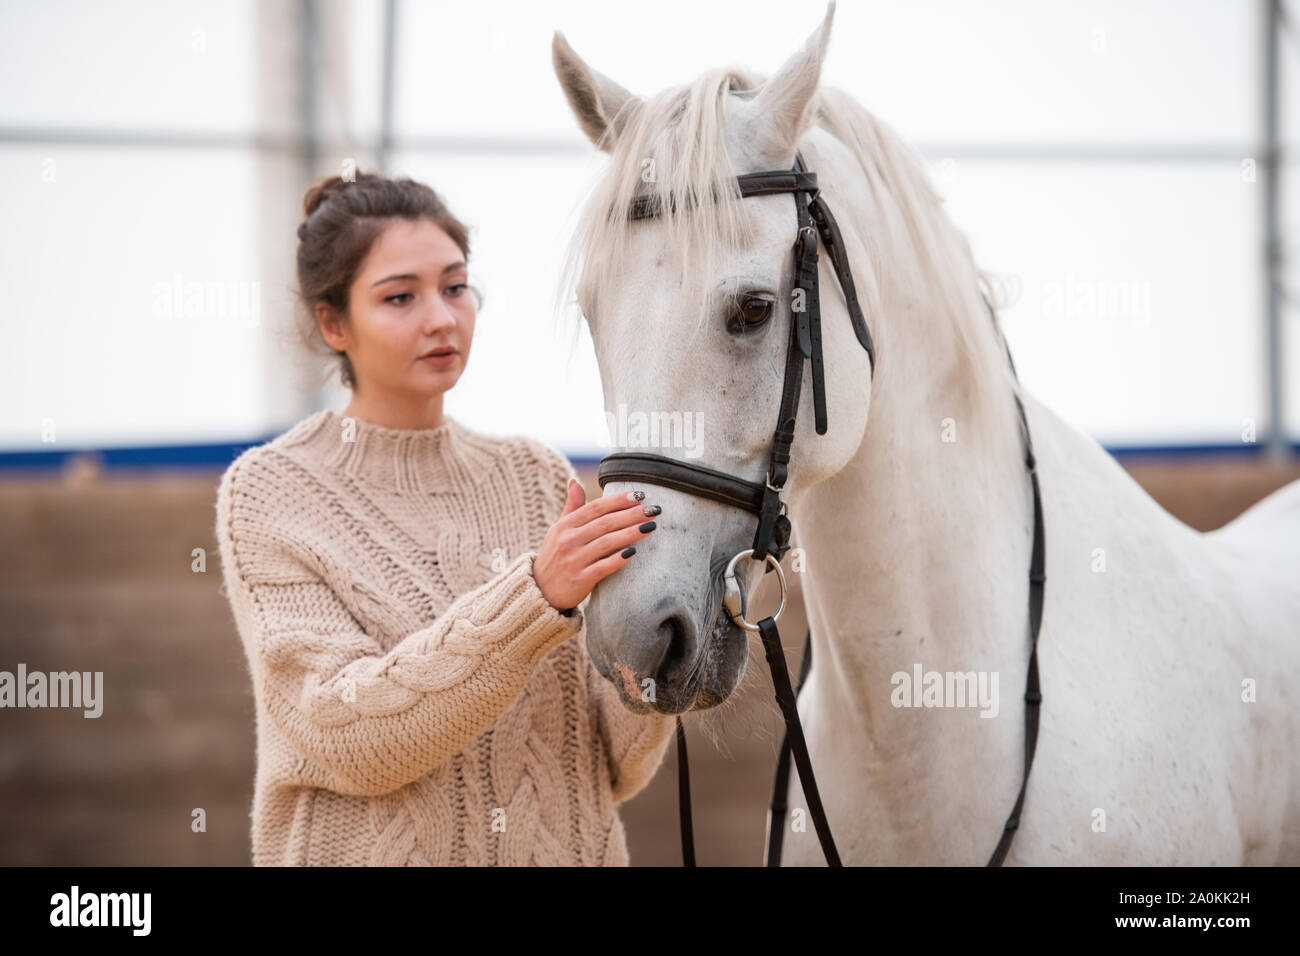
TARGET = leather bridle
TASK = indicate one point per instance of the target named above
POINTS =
(772, 537)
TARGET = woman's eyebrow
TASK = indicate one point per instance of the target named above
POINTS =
(450, 267)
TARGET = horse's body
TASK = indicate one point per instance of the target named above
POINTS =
(1141, 666)
(914, 523)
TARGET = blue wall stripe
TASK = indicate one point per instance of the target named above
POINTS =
(208, 456)
(220, 454)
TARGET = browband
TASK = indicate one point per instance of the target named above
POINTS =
(766, 183)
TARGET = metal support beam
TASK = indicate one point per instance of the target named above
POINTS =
(308, 79)
(1272, 249)
(309, 146)
(383, 154)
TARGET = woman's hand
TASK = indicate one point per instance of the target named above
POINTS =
(590, 542)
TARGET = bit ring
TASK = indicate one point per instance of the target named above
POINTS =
(734, 601)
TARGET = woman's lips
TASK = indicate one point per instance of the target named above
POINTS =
(441, 360)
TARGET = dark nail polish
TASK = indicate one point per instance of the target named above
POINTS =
(648, 526)
(652, 510)
(639, 495)
(629, 551)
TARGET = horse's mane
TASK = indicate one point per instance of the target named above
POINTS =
(677, 135)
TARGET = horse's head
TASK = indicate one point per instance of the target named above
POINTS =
(690, 313)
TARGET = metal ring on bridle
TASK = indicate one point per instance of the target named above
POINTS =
(733, 600)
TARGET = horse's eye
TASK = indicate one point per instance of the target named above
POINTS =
(749, 311)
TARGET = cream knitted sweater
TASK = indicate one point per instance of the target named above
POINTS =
(419, 702)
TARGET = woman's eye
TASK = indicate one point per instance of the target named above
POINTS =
(749, 312)
(399, 295)
(457, 290)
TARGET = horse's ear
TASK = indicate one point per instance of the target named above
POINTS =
(781, 109)
(601, 105)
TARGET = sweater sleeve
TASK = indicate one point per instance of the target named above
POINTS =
(366, 722)
(635, 743)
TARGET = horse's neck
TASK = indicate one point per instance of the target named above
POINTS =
(918, 550)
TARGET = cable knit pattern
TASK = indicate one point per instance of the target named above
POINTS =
(419, 702)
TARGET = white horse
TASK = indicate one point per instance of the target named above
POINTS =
(1169, 659)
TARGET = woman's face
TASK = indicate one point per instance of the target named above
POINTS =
(409, 299)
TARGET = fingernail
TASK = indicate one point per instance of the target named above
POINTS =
(652, 510)
(636, 495)
(648, 526)
(629, 551)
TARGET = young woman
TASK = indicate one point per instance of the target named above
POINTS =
(406, 589)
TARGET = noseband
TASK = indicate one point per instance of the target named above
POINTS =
(772, 537)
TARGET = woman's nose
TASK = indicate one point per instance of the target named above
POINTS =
(438, 316)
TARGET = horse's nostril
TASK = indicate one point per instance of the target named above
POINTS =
(673, 637)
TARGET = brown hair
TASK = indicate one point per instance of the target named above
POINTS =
(342, 219)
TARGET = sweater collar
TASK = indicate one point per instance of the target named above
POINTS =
(398, 458)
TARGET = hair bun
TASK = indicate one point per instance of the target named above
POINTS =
(317, 195)
(320, 192)
(332, 185)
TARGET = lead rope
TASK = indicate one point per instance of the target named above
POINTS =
(1033, 693)
(684, 797)
(776, 834)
